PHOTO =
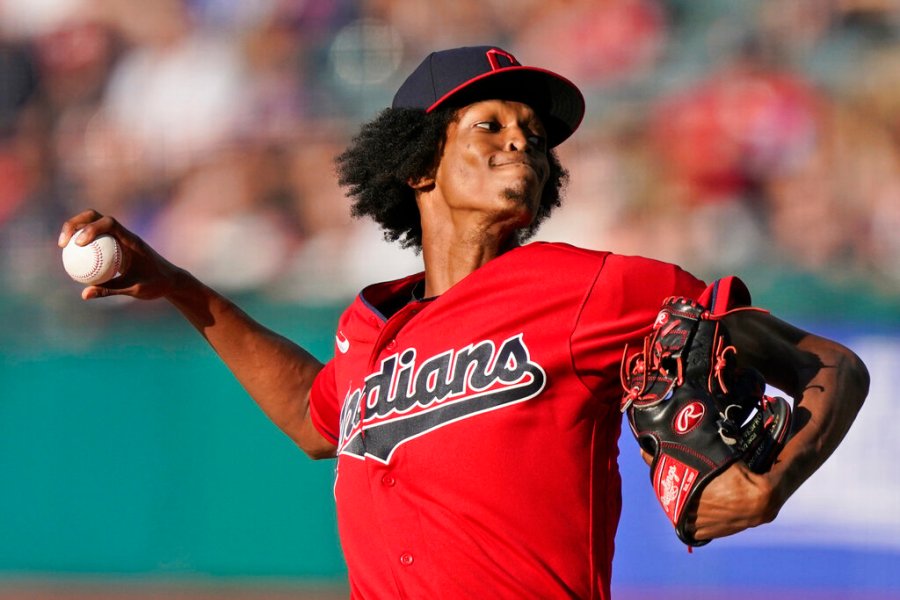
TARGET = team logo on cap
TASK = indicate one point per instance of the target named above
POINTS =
(493, 58)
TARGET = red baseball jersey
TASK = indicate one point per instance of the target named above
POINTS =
(478, 431)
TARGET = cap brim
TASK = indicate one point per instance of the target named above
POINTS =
(557, 101)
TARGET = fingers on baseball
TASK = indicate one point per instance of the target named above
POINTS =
(91, 223)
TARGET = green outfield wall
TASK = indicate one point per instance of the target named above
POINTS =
(127, 447)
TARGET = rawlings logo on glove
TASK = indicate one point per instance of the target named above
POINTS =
(691, 408)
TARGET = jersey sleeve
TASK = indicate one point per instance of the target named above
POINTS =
(619, 310)
(324, 406)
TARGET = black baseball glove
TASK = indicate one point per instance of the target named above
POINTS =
(692, 409)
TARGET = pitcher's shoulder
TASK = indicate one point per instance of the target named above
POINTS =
(560, 252)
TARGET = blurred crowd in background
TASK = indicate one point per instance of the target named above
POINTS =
(720, 134)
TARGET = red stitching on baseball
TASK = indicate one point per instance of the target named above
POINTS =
(98, 259)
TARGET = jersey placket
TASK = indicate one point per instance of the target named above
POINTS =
(403, 540)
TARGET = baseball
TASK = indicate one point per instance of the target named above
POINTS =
(94, 263)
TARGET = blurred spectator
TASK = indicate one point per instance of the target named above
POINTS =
(227, 220)
(720, 141)
(725, 134)
(75, 59)
(811, 207)
(871, 161)
(597, 43)
(18, 83)
(178, 93)
(428, 26)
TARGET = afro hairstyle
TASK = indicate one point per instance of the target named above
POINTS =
(401, 145)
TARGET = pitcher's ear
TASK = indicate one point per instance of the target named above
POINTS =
(420, 184)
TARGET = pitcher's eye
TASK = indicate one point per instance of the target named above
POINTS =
(488, 125)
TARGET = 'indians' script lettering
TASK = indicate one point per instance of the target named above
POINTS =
(407, 398)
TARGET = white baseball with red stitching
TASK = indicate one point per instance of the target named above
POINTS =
(95, 263)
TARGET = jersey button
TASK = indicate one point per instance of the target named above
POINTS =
(391, 344)
(388, 481)
(406, 559)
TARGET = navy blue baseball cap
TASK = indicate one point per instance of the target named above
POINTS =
(461, 76)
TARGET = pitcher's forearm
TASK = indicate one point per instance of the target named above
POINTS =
(276, 372)
(824, 410)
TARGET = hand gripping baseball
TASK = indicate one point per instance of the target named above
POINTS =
(692, 410)
(144, 274)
